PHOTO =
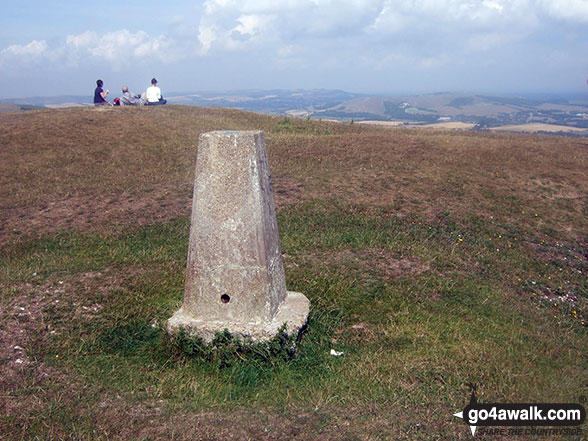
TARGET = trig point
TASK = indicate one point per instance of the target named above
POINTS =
(235, 274)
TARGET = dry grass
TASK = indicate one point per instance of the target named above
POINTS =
(430, 173)
(136, 162)
(450, 125)
(537, 127)
(432, 257)
(87, 168)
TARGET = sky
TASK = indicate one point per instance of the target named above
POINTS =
(389, 47)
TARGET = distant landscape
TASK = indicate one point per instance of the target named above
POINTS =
(566, 114)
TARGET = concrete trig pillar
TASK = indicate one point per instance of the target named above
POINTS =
(235, 274)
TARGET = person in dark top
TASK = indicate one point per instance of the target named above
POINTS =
(100, 94)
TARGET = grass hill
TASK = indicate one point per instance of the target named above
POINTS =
(10, 107)
(535, 113)
(433, 260)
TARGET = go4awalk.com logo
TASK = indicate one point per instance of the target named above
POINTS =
(492, 418)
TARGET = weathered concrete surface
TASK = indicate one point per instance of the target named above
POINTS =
(235, 274)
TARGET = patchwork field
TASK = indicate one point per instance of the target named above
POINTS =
(537, 127)
(435, 261)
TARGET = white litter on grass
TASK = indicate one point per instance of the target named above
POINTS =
(335, 353)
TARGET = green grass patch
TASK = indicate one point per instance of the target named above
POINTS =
(407, 303)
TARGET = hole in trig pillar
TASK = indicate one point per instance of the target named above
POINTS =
(225, 298)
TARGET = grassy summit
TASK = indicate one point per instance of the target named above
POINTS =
(432, 259)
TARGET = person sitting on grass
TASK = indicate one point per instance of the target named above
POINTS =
(100, 95)
(130, 99)
(154, 97)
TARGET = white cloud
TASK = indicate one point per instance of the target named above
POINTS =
(25, 56)
(289, 20)
(389, 20)
(226, 24)
(568, 10)
(118, 48)
(252, 24)
(319, 40)
(419, 34)
(436, 15)
(121, 46)
(207, 34)
(34, 49)
(82, 41)
(250, 29)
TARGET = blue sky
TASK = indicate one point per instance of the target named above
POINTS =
(374, 46)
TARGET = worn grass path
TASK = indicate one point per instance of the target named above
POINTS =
(432, 259)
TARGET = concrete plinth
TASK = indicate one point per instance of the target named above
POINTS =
(235, 275)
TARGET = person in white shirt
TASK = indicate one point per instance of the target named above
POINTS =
(153, 94)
